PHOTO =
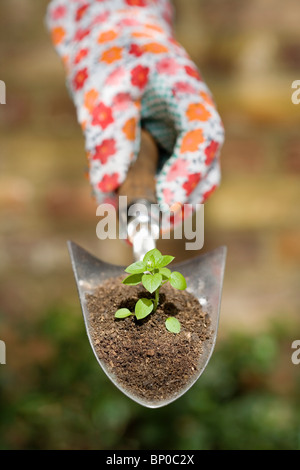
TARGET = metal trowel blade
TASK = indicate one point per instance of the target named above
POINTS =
(204, 275)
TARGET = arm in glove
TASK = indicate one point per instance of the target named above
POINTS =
(125, 70)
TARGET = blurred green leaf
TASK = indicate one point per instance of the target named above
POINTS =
(65, 401)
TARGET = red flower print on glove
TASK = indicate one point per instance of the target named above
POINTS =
(211, 151)
(177, 169)
(58, 12)
(139, 76)
(80, 12)
(102, 116)
(136, 50)
(116, 76)
(168, 66)
(81, 34)
(184, 87)
(191, 183)
(105, 150)
(80, 78)
(192, 72)
(81, 55)
(109, 183)
(136, 3)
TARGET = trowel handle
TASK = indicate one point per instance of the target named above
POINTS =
(141, 227)
(140, 181)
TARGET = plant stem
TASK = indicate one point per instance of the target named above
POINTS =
(156, 300)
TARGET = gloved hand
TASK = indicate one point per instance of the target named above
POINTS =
(125, 69)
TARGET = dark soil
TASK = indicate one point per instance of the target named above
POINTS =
(147, 360)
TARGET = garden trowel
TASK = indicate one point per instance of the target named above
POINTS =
(204, 274)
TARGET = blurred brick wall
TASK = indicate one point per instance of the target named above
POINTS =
(249, 53)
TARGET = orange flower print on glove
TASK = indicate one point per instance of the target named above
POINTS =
(191, 141)
(197, 112)
(58, 34)
(111, 55)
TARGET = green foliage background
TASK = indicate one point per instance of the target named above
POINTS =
(65, 401)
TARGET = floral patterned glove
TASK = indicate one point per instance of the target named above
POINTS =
(125, 70)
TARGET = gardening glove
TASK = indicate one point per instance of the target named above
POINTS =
(125, 70)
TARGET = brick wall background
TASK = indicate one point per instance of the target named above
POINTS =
(249, 53)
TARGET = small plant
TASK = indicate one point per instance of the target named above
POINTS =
(153, 274)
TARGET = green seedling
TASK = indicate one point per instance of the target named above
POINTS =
(153, 274)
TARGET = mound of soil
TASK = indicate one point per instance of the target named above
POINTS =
(147, 360)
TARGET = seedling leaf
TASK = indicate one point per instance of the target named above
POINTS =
(123, 313)
(151, 282)
(153, 256)
(153, 274)
(177, 280)
(136, 268)
(165, 272)
(173, 325)
(143, 308)
(133, 279)
(165, 260)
